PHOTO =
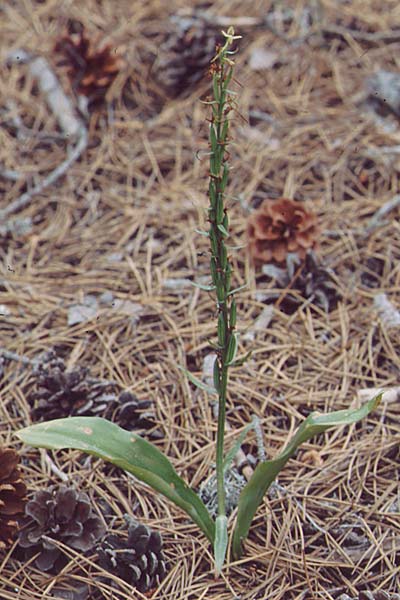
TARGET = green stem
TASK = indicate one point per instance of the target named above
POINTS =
(220, 442)
(220, 267)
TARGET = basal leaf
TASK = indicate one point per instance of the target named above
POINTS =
(125, 449)
(265, 473)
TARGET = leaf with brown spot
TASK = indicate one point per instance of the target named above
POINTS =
(126, 450)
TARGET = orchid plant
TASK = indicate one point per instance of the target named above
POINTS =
(104, 439)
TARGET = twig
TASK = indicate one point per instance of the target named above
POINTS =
(376, 220)
(10, 174)
(388, 36)
(388, 313)
(19, 226)
(63, 110)
(389, 396)
(53, 468)
(22, 359)
(23, 132)
(377, 36)
(58, 102)
(23, 200)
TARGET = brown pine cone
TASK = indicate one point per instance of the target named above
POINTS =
(12, 496)
(60, 514)
(90, 69)
(279, 227)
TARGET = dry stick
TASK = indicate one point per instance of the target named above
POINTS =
(366, 36)
(389, 396)
(376, 220)
(53, 467)
(224, 21)
(14, 356)
(10, 174)
(63, 110)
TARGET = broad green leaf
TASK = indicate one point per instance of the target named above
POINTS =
(265, 472)
(220, 542)
(197, 382)
(125, 449)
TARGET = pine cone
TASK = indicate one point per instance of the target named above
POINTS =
(314, 282)
(134, 415)
(62, 393)
(279, 227)
(185, 56)
(12, 495)
(91, 70)
(374, 268)
(72, 593)
(139, 560)
(61, 514)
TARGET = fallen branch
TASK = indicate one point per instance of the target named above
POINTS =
(388, 313)
(389, 396)
(377, 219)
(8, 355)
(63, 110)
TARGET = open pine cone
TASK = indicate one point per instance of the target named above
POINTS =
(139, 560)
(136, 415)
(279, 227)
(12, 496)
(185, 57)
(60, 514)
(61, 392)
(310, 278)
(91, 69)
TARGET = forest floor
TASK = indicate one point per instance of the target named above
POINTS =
(97, 266)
